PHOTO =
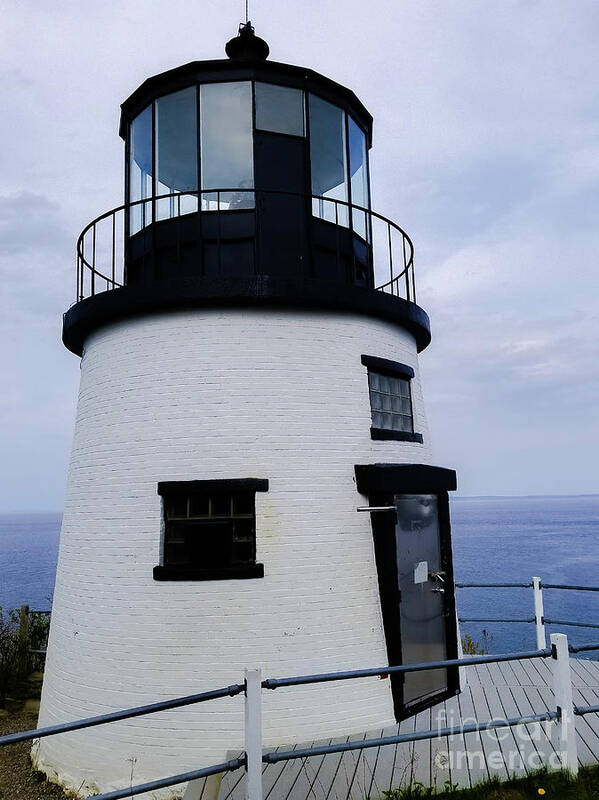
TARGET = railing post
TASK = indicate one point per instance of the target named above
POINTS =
(93, 275)
(461, 670)
(390, 258)
(253, 734)
(24, 638)
(24, 623)
(562, 690)
(539, 620)
(405, 267)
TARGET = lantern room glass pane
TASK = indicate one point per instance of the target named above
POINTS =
(140, 170)
(328, 162)
(227, 144)
(358, 171)
(279, 109)
(176, 153)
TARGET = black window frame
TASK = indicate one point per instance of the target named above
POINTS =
(171, 491)
(394, 369)
(306, 91)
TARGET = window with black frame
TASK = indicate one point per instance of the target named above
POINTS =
(169, 150)
(328, 161)
(391, 406)
(209, 530)
(279, 109)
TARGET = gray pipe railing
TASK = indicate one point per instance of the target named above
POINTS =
(174, 780)
(540, 619)
(326, 677)
(457, 730)
(494, 619)
(127, 713)
(252, 689)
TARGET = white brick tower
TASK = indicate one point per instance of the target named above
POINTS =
(249, 344)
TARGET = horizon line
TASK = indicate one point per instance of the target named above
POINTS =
(455, 496)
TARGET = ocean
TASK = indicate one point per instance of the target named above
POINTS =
(495, 540)
(512, 539)
(28, 554)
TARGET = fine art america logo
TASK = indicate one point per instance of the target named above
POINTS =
(515, 748)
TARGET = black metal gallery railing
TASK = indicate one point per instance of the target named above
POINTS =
(102, 245)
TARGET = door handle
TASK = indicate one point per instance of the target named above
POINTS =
(372, 509)
(438, 591)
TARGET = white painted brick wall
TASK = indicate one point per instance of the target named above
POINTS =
(218, 394)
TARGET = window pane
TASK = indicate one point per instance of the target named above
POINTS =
(279, 109)
(243, 503)
(176, 152)
(397, 422)
(198, 506)
(359, 177)
(243, 552)
(226, 143)
(209, 543)
(140, 169)
(328, 159)
(221, 505)
(175, 553)
(177, 507)
(244, 530)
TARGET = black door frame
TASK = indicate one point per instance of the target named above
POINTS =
(380, 483)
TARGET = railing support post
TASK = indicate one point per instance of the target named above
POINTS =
(24, 638)
(253, 734)
(539, 618)
(562, 690)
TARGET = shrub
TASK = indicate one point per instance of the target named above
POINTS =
(13, 653)
(20, 632)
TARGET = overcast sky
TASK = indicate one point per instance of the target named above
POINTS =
(486, 150)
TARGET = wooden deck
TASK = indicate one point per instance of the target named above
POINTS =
(508, 689)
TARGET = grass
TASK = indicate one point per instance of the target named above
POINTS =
(539, 784)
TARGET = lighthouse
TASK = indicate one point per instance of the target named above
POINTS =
(251, 481)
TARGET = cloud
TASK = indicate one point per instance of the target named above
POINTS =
(30, 222)
(485, 151)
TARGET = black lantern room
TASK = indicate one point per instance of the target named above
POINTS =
(243, 167)
(246, 182)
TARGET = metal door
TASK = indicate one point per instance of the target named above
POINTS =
(421, 585)
(280, 167)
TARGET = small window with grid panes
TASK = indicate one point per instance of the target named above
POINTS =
(389, 384)
(210, 529)
(390, 402)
